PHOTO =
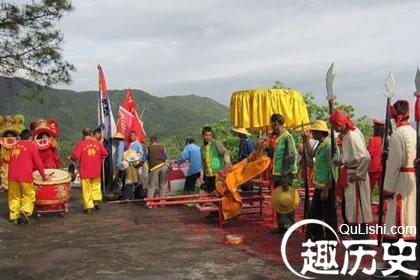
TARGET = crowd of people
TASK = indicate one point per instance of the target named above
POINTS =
(354, 167)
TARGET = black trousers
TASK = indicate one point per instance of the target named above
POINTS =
(129, 191)
(190, 182)
(210, 183)
(323, 211)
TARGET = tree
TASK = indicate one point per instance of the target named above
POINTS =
(278, 85)
(320, 112)
(30, 44)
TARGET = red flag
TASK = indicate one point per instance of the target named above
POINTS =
(125, 121)
(102, 83)
(130, 107)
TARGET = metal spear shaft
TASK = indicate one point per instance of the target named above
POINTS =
(390, 92)
(331, 98)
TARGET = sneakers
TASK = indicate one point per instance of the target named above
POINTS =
(96, 206)
(16, 222)
(88, 211)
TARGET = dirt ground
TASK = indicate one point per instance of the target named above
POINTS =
(127, 241)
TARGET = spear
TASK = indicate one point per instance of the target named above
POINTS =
(305, 181)
(390, 92)
(331, 98)
(417, 118)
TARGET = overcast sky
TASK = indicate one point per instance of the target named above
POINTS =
(212, 48)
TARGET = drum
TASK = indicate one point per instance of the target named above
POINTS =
(52, 195)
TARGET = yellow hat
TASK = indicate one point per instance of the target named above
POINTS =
(284, 201)
(241, 130)
(118, 135)
(320, 125)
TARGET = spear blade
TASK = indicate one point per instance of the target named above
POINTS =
(417, 80)
(330, 82)
(390, 86)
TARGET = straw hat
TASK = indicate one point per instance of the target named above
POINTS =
(320, 125)
(241, 130)
(131, 156)
(118, 135)
(284, 201)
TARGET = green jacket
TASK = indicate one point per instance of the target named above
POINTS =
(285, 155)
(213, 158)
(322, 171)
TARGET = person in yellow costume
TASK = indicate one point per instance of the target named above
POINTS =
(10, 128)
(24, 159)
(90, 153)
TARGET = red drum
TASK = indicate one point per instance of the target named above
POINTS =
(52, 195)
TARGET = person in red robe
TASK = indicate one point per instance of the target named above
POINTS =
(24, 160)
(45, 134)
(375, 151)
(90, 153)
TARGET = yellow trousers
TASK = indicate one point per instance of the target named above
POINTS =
(21, 197)
(4, 169)
(91, 192)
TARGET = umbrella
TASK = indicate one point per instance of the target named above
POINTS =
(252, 109)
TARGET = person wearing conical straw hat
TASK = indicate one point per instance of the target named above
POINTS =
(284, 169)
(322, 206)
(119, 147)
(246, 147)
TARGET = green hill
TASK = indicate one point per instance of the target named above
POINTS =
(163, 116)
(166, 117)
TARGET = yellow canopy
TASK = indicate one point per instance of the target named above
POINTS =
(252, 109)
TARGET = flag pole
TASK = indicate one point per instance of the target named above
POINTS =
(100, 105)
(101, 119)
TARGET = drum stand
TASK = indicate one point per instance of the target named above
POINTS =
(62, 210)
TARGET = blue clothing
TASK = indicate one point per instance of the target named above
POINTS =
(136, 146)
(120, 151)
(192, 153)
(246, 147)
